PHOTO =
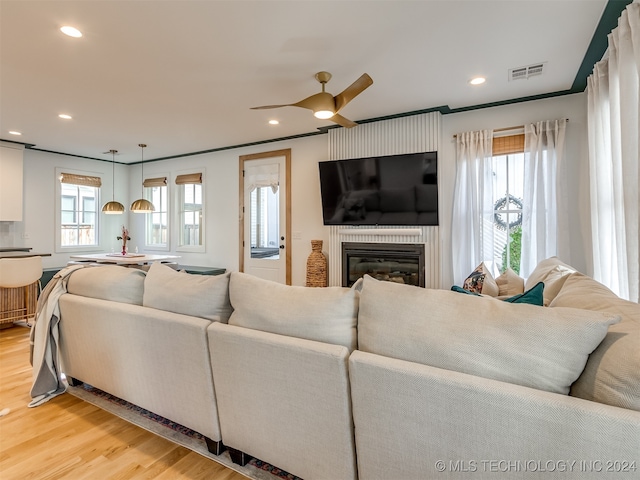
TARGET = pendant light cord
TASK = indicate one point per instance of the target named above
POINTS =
(142, 145)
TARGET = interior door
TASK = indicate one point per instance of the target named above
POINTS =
(265, 229)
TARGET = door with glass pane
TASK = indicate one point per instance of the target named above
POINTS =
(264, 209)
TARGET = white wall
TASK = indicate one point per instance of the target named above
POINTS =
(221, 189)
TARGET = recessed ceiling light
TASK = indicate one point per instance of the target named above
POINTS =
(273, 122)
(65, 116)
(477, 80)
(13, 132)
(71, 31)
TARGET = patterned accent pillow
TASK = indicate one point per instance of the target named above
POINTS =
(481, 281)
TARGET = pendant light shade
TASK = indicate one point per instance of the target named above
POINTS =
(142, 205)
(113, 207)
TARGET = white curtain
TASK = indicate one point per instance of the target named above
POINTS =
(543, 152)
(263, 176)
(614, 153)
(472, 226)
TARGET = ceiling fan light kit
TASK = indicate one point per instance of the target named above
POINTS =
(326, 106)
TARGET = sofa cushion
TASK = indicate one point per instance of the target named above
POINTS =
(553, 272)
(521, 344)
(205, 296)
(481, 281)
(326, 314)
(509, 283)
(612, 373)
(109, 282)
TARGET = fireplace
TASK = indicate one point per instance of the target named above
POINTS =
(394, 262)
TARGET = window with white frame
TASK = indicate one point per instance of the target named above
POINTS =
(157, 222)
(190, 215)
(78, 210)
(508, 192)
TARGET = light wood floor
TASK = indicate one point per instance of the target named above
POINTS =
(67, 438)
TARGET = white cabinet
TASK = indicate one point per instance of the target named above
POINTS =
(11, 182)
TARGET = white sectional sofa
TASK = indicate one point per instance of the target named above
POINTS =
(377, 381)
(124, 333)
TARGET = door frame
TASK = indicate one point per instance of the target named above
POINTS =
(286, 153)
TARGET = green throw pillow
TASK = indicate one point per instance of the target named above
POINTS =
(532, 296)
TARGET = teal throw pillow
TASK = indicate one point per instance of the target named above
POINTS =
(532, 296)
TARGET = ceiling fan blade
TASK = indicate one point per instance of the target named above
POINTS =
(314, 102)
(264, 107)
(353, 90)
(319, 101)
(345, 122)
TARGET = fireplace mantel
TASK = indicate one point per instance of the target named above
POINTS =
(382, 232)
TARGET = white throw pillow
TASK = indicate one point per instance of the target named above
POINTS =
(612, 373)
(327, 314)
(552, 272)
(521, 344)
(108, 282)
(205, 296)
(510, 284)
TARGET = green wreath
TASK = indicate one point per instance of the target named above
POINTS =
(503, 204)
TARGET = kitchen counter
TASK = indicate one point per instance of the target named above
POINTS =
(22, 254)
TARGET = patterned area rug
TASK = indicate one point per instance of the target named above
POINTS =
(255, 469)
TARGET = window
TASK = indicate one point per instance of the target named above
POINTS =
(191, 218)
(79, 198)
(265, 209)
(156, 229)
(508, 192)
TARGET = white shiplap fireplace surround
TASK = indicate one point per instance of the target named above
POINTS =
(411, 134)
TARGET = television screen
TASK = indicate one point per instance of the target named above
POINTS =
(388, 190)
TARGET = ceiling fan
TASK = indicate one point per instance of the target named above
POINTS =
(325, 105)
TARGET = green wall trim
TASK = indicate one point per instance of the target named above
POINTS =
(599, 42)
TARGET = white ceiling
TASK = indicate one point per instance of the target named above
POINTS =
(182, 75)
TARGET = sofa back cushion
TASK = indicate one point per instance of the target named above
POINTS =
(517, 343)
(326, 314)
(109, 282)
(612, 373)
(205, 296)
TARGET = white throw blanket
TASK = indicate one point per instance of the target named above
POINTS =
(44, 338)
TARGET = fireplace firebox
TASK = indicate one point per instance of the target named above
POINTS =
(394, 262)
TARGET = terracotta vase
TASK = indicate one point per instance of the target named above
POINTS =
(316, 266)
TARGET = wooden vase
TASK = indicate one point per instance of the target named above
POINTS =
(316, 266)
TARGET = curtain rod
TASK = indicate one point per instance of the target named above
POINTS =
(508, 128)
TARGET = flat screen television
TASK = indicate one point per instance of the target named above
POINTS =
(396, 190)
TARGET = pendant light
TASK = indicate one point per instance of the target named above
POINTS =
(142, 205)
(113, 207)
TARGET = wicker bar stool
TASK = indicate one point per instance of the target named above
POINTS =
(17, 278)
